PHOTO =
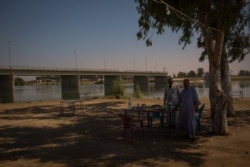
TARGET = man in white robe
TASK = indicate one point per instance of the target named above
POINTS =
(171, 95)
(188, 102)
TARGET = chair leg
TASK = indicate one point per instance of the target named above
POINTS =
(143, 135)
(131, 135)
(125, 134)
(148, 122)
(162, 122)
(198, 125)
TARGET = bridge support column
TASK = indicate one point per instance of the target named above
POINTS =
(108, 81)
(7, 88)
(161, 82)
(70, 85)
(142, 82)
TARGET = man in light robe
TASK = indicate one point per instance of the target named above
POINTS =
(171, 95)
(188, 102)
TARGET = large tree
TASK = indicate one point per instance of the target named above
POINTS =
(223, 33)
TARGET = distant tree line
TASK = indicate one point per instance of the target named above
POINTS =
(244, 73)
(200, 73)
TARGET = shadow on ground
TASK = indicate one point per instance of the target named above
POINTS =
(92, 137)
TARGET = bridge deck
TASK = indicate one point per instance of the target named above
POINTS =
(37, 71)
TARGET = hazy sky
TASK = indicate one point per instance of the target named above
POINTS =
(45, 33)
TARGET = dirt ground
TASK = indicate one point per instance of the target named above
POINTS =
(35, 134)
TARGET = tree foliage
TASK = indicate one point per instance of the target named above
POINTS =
(192, 16)
(181, 74)
(200, 72)
(191, 73)
(244, 73)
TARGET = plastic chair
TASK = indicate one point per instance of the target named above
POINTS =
(155, 114)
(198, 117)
(130, 126)
(136, 110)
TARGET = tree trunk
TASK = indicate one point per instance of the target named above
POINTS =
(214, 46)
(220, 117)
(215, 74)
(214, 81)
(226, 83)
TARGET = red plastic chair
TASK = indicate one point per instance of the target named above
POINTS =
(130, 126)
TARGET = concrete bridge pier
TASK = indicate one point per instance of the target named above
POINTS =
(7, 88)
(108, 81)
(142, 82)
(161, 82)
(70, 85)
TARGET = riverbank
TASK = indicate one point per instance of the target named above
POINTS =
(236, 77)
(34, 134)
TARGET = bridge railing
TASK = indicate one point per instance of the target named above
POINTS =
(52, 68)
(29, 70)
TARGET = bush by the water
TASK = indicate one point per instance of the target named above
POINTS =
(138, 93)
(118, 89)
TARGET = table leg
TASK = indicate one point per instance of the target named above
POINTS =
(61, 106)
(81, 105)
(148, 119)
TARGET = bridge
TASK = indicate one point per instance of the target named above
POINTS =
(70, 78)
(38, 71)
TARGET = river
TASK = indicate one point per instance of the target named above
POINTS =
(53, 92)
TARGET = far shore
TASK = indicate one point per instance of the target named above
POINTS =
(233, 77)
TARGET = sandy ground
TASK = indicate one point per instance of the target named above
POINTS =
(35, 134)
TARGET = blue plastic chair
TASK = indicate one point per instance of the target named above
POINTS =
(198, 117)
(157, 114)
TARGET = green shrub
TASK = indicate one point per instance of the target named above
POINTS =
(138, 93)
(118, 89)
(19, 81)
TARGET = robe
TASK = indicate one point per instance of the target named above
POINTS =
(188, 101)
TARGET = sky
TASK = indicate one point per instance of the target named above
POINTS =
(90, 34)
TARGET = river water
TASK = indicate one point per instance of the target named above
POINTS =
(53, 92)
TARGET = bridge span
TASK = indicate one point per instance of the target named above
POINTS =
(70, 79)
(37, 71)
